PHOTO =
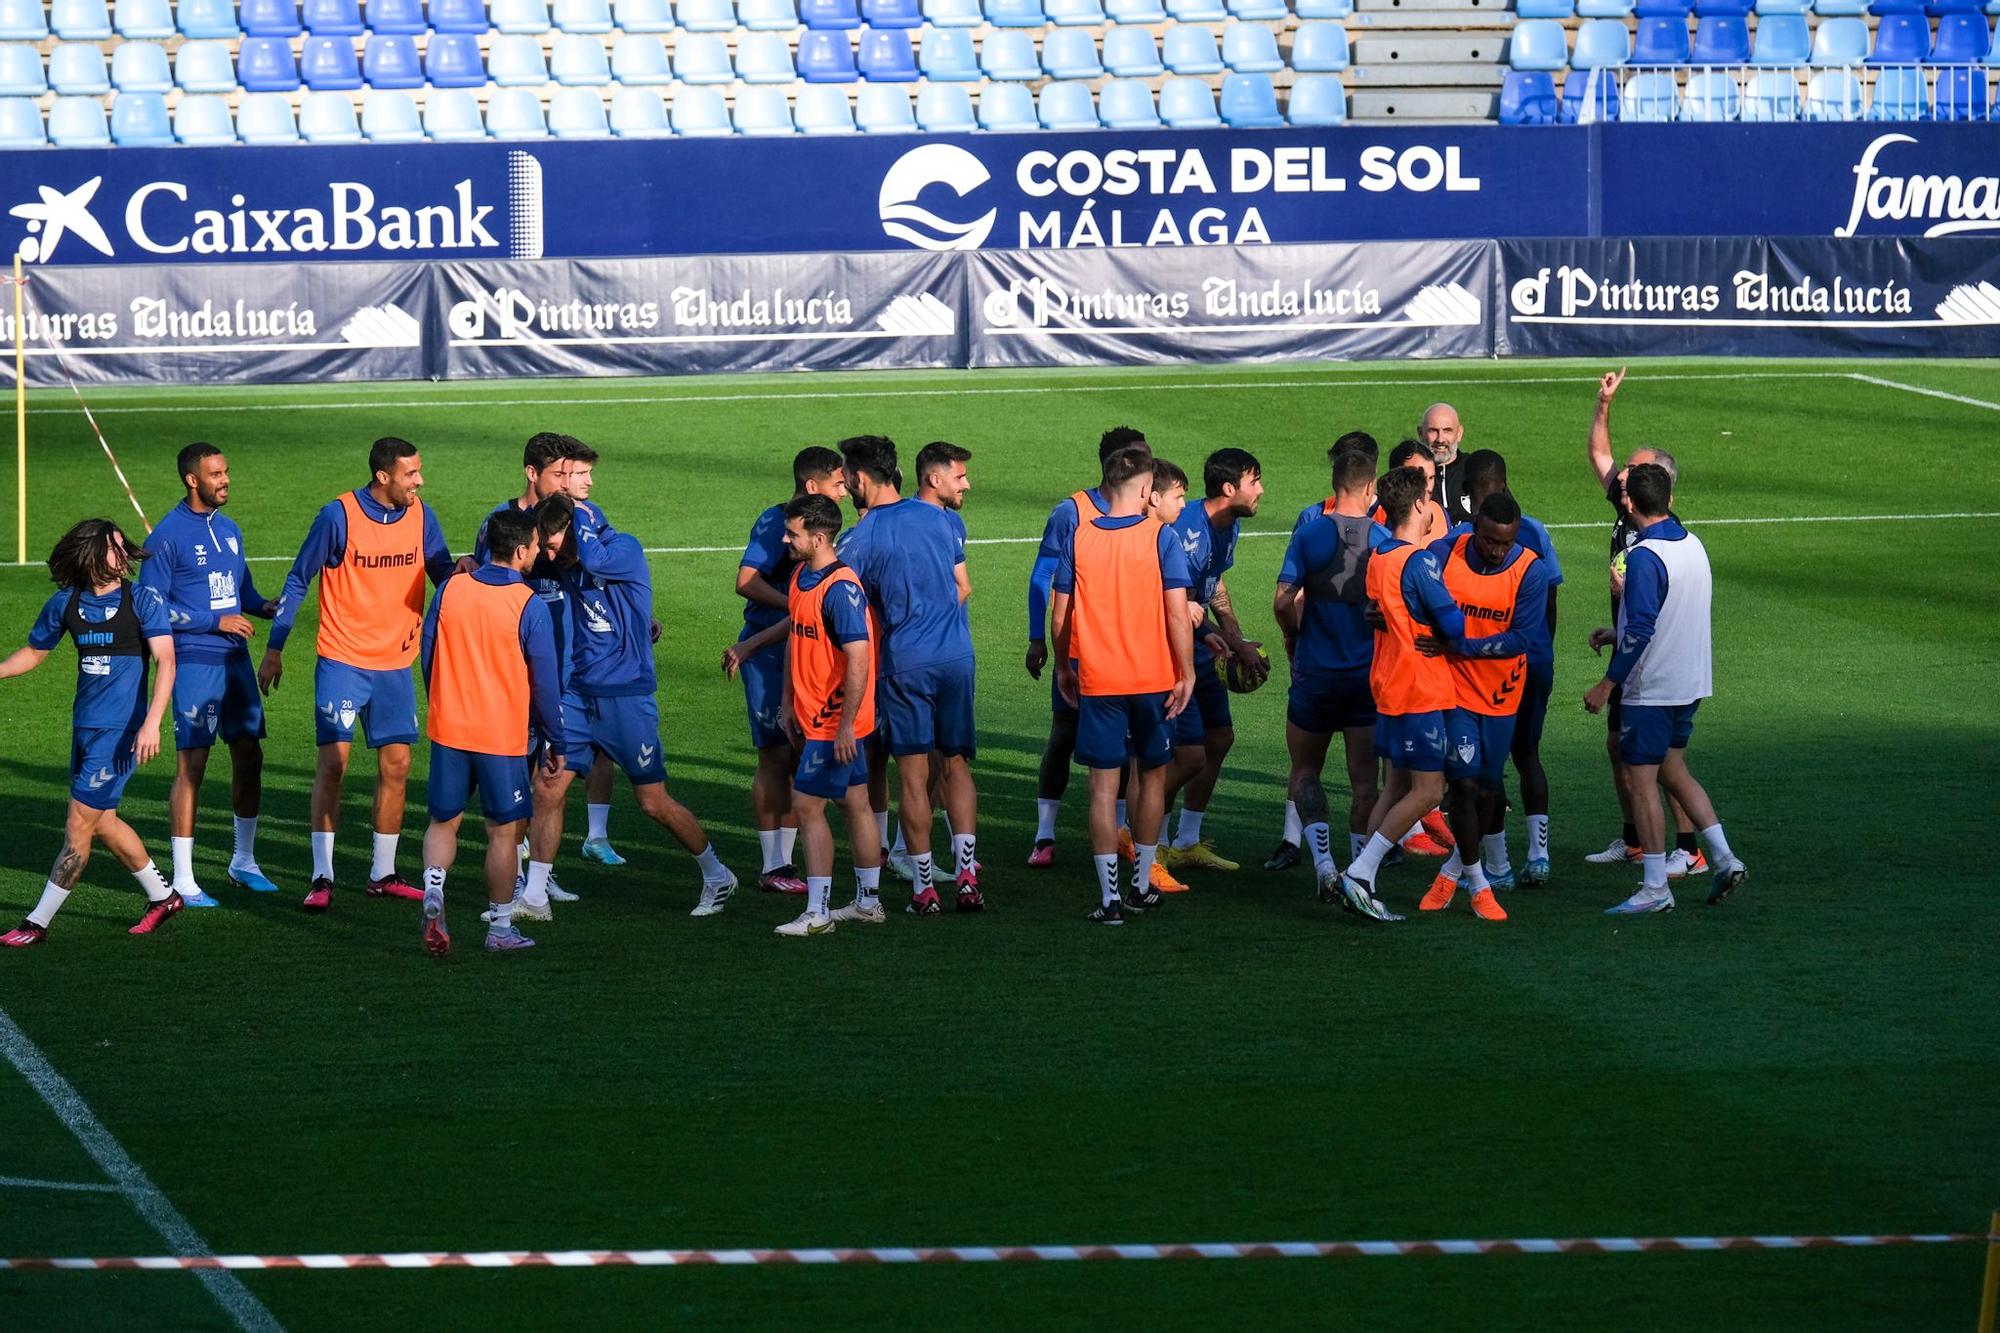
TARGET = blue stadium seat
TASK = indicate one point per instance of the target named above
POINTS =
(886, 57)
(202, 121)
(1250, 102)
(1127, 104)
(1527, 97)
(948, 56)
(459, 16)
(1015, 13)
(1901, 39)
(21, 73)
(1721, 40)
(1600, 44)
(764, 112)
(1766, 8)
(268, 18)
(1899, 94)
(1664, 9)
(1007, 108)
(1840, 8)
(1772, 95)
(390, 60)
(640, 113)
(826, 57)
(139, 120)
(1067, 106)
(766, 57)
(1711, 97)
(264, 65)
(1332, 9)
(1187, 104)
(1009, 55)
(1993, 52)
(1321, 48)
(1604, 9)
(451, 60)
(141, 67)
(323, 18)
(1651, 98)
(1190, 49)
(953, 13)
(944, 108)
(1249, 48)
(77, 69)
(199, 67)
(581, 16)
(701, 58)
(21, 123)
(1961, 94)
(1135, 11)
(266, 118)
(403, 18)
(515, 113)
(203, 19)
(892, 14)
(1074, 13)
(514, 60)
(639, 59)
(1935, 8)
(329, 64)
(391, 117)
(1962, 39)
(1839, 42)
(649, 16)
(324, 117)
(768, 15)
(831, 15)
(138, 21)
(823, 109)
(883, 108)
(451, 115)
(577, 113)
(1068, 53)
(1197, 11)
(1131, 53)
(1722, 8)
(577, 61)
(1661, 41)
(78, 122)
(1783, 41)
(1545, 9)
(87, 21)
(1318, 99)
(1881, 7)
(1537, 44)
(519, 18)
(706, 16)
(1589, 95)
(1833, 94)
(699, 113)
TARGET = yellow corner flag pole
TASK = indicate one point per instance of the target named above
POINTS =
(20, 422)
(1989, 1297)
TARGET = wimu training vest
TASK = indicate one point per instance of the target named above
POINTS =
(371, 604)
(1402, 679)
(479, 690)
(819, 665)
(1118, 616)
(1488, 685)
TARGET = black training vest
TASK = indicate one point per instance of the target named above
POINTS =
(120, 636)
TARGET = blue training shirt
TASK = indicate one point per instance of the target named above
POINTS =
(537, 647)
(544, 579)
(1060, 528)
(110, 691)
(906, 555)
(1210, 552)
(198, 568)
(843, 612)
(610, 591)
(1334, 635)
(326, 545)
(765, 552)
(1174, 572)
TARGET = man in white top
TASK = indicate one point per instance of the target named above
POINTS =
(1662, 662)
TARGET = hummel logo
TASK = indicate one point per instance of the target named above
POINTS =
(645, 755)
(58, 215)
(193, 713)
(99, 778)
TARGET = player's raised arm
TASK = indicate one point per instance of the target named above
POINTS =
(1598, 444)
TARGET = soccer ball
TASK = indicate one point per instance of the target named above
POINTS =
(1237, 678)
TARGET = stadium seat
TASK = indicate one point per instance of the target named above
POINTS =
(141, 67)
(391, 117)
(1191, 50)
(1939, 8)
(1840, 8)
(640, 59)
(650, 16)
(1250, 102)
(1664, 9)
(460, 16)
(89, 21)
(885, 56)
(266, 118)
(517, 18)
(1783, 41)
(202, 121)
(139, 120)
(1068, 53)
(1135, 11)
(892, 13)
(1544, 9)
(699, 113)
(1259, 11)
(1127, 104)
(1589, 95)
(1766, 8)
(1319, 99)
(953, 13)
(78, 122)
(1015, 13)
(324, 117)
(1321, 48)
(592, 17)
(1536, 44)
(201, 19)
(701, 58)
(264, 18)
(706, 16)
(948, 56)
(21, 123)
(1336, 9)
(1197, 11)
(763, 112)
(1881, 7)
(761, 58)
(1074, 13)
(830, 15)
(944, 108)
(451, 60)
(515, 113)
(264, 65)
(1187, 104)
(1723, 8)
(1711, 97)
(883, 108)
(1720, 40)
(1651, 98)
(1130, 53)
(577, 61)
(1772, 95)
(77, 69)
(451, 115)
(577, 113)
(138, 21)
(1600, 44)
(1899, 94)
(323, 18)
(1961, 94)
(1009, 55)
(1249, 48)
(390, 60)
(823, 109)
(399, 17)
(640, 113)
(1962, 39)
(1527, 97)
(514, 60)
(1008, 108)
(1901, 39)
(199, 67)
(1840, 42)
(826, 57)
(1833, 94)
(1993, 52)
(767, 15)
(1660, 42)
(1604, 9)
(329, 64)
(1067, 106)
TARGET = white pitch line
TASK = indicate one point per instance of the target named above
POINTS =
(84, 1186)
(1928, 393)
(128, 1178)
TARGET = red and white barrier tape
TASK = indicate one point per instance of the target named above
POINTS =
(985, 1254)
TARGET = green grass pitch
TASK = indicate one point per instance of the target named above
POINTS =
(1818, 1056)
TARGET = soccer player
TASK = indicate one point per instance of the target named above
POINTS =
(1502, 591)
(1663, 665)
(113, 726)
(1233, 486)
(1053, 780)
(829, 701)
(597, 787)
(489, 661)
(1124, 651)
(371, 550)
(763, 581)
(1321, 603)
(197, 566)
(907, 555)
(1442, 433)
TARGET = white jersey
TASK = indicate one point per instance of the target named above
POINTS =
(1677, 666)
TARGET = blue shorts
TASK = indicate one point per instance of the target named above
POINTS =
(820, 774)
(1208, 710)
(1323, 702)
(217, 700)
(578, 754)
(1477, 746)
(1650, 730)
(1411, 741)
(763, 679)
(505, 793)
(383, 702)
(101, 762)
(928, 708)
(1534, 706)
(1112, 729)
(627, 728)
